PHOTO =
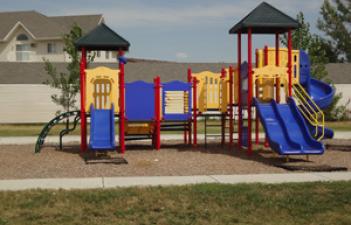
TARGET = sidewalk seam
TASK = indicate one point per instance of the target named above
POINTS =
(103, 182)
(213, 178)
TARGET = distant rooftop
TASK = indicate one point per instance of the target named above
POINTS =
(34, 73)
(45, 27)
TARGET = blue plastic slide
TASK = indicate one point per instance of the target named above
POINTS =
(286, 129)
(102, 129)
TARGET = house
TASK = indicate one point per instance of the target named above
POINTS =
(29, 36)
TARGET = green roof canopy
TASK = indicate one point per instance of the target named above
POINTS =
(102, 38)
(265, 19)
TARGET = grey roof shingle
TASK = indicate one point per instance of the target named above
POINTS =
(102, 38)
(42, 26)
(265, 19)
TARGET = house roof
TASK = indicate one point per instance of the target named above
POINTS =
(265, 19)
(34, 73)
(102, 38)
(44, 27)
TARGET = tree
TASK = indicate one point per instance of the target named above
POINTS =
(319, 53)
(67, 83)
(336, 24)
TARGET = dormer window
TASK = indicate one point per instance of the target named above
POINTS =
(22, 37)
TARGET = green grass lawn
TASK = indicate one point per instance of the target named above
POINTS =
(34, 129)
(309, 203)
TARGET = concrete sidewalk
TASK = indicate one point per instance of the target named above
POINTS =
(164, 137)
(112, 182)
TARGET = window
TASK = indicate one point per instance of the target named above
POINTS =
(51, 48)
(98, 54)
(23, 52)
(107, 55)
(22, 37)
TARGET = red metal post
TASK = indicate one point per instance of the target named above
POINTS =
(257, 122)
(277, 82)
(83, 119)
(265, 55)
(240, 116)
(265, 52)
(121, 105)
(187, 134)
(250, 85)
(223, 75)
(157, 83)
(231, 103)
(195, 111)
(289, 62)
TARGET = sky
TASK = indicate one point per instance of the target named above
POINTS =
(174, 30)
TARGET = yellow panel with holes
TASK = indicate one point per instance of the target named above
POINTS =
(101, 88)
(264, 77)
(212, 91)
(283, 60)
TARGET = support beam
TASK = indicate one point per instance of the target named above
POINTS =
(257, 122)
(195, 111)
(290, 62)
(250, 85)
(83, 118)
(157, 84)
(189, 75)
(240, 116)
(223, 124)
(231, 103)
(121, 104)
(277, 81)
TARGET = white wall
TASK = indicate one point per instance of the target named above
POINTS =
(26, 103)
(345, 89)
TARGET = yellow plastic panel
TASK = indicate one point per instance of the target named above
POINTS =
(209, 90)
(283, 60)
(101, 88)
(139, 128)
(265, 79)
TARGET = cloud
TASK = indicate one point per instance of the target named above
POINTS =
(181, 55)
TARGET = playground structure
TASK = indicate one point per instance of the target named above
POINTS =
(278, 93)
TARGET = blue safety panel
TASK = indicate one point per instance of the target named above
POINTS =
(176, 86)
(102, 129)
(140, 101)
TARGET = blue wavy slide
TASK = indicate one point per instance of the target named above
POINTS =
(286, 129)
(102, 129)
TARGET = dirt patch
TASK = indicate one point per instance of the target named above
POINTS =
(19, 161)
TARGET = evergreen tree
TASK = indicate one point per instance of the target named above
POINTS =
(319, 52)
(336, 24)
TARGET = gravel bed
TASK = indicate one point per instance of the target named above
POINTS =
(19, 161)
